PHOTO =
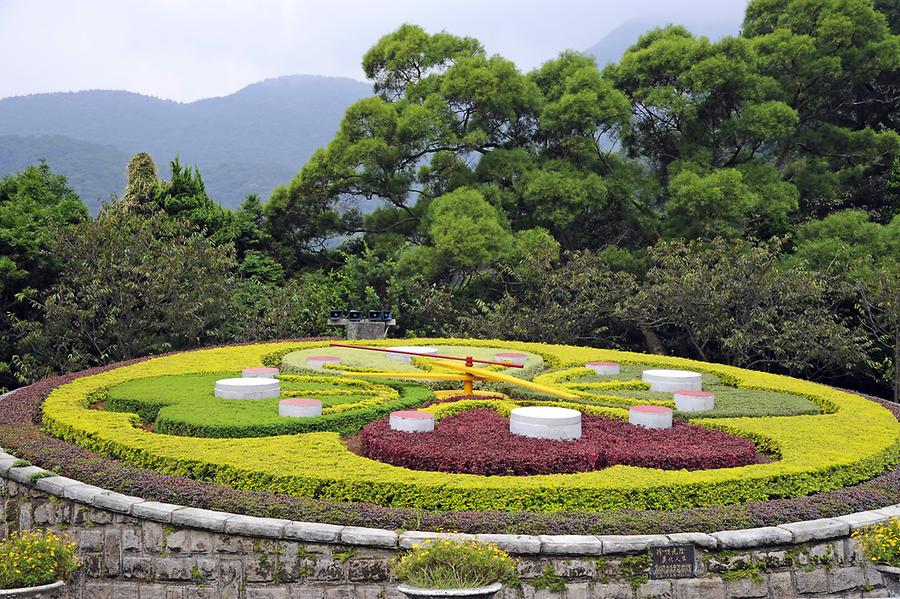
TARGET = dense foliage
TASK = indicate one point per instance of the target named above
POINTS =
(734, 200)
(35, 558)
(479, 442)
(452, 564)
(20, 435)
(852, 440)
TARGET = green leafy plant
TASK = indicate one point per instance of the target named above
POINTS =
(881, 543)
(449, 564)
(34, 558)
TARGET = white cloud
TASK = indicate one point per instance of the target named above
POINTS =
(185, 50)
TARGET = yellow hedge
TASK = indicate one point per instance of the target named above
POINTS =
(857, 440)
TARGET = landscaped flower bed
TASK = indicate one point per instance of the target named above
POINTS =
(19, 435)
(852, 440)
(479, 442)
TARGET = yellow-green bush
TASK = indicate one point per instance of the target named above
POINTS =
(857, 440)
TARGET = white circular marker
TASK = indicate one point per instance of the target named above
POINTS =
(694, 401)
(603, 368)
(511, 357)
(673, 380)
(264, 373)
(318, 362)
(546, 422)
(422, 350)
(412, 421)
(650, 416)
(299, 407)
(249, 388)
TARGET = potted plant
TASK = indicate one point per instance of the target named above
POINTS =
(35, 564)
(450, 568)
(880, 544)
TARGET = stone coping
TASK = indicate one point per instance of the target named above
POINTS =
(311, 532)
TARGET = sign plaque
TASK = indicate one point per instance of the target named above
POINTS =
(672, 561)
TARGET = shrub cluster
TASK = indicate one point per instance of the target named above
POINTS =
(856, 441)
(479, 442)
(881, 543)
(20, 435)
(450, 564)
(35, 558)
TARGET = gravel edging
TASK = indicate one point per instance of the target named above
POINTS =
(311, 532)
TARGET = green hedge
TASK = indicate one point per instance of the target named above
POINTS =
(857, 440)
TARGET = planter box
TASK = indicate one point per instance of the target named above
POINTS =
(54, 590)
(479, 593)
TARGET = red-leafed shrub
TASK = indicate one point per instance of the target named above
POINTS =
(479, 442)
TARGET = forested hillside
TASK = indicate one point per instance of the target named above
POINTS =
(735, 200)
(246, 142)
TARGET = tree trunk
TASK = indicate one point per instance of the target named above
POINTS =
(651, 341)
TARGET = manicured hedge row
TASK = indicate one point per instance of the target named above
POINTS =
(20, 436)
(856, 442)
(478, 441)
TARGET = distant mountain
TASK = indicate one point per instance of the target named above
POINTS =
(247, 142)
(613, 45)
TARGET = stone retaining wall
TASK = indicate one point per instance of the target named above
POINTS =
(137, 549)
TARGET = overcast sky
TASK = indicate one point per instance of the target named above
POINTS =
(189, 49)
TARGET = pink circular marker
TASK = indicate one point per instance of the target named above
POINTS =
(411, 421)
(650, 416)
(413, 414)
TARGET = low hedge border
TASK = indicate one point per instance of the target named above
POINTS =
(19, 433)
(818, 453)
(824, 529)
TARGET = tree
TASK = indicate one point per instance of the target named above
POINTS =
(34, 205)
(836, 64)
(727, 301)
(129, 286)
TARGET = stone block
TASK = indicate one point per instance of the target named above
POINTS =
(368, 570)
(90, 540)
(781, 585)
(201, 541)
(746, 588)
(200, 518)
(847, 579)
(268, 592)
(752, 537)
(859, 520)
(137, 568)
(131, 540)
(613, 544)
(693, 538)
(372, 537)
(520, 544)
(613, 590)
(816, 530)
(56, 485)
(571, 545)
(311, 532)
(891, 511)
(698, 588)
(154, 510)
(256, 527)
(82, 493)
(578, 590)
(115, 502)
(814, 581)
(174, 568)
(6, 464)
(656, 589)
(112, 552)
(23, 475)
